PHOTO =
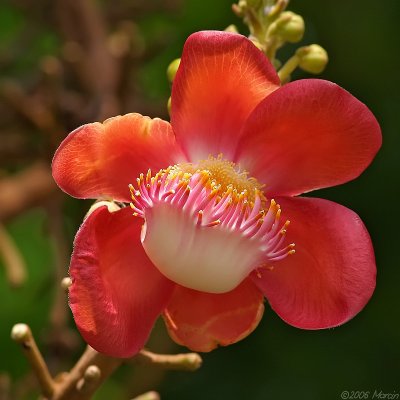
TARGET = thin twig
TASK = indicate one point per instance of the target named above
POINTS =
(82, 22)
(22, 334)
(88, 384)
(69, 389)
(5, 386)
(26, 189)
(59, 311)
(184, 362)
(35, 111)
(13, 261)
(92, 369)
(152, 395)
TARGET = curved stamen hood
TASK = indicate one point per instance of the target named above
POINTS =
(203, 234)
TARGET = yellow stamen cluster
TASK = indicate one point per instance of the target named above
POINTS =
(227, 176)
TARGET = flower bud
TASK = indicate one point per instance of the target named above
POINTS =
(289, 27)
(255, 4)
(312, 58)
(172, 68)
(231, 28)
(169, 105)
(256, 43)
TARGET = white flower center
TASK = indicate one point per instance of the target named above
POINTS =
(203, 233)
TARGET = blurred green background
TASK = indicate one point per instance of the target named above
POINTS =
(277, 361)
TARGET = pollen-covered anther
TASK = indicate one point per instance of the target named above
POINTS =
(204, 237)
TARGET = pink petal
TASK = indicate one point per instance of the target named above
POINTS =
(309, 134)
(331, 276)
(222, 77)
(116, 293)
(100, 160)
(202, 321)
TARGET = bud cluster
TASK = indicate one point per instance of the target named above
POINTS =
(271, 27)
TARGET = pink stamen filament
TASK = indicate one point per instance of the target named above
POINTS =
(198, 196)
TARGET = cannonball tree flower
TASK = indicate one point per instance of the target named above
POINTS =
(206, 236)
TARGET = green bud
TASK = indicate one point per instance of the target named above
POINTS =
(273, 10)
(240, 8)
(231, 28)
(312, 58)
(254, 4)
(169, 105)
(276, 63)
(289, 27)
(172, 68)
(256, 43)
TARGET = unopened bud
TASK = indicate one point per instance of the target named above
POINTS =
(231, 28)
(172, 69)
(289, 27)
(169, 105)
(256, 43)
(237, 10)
(312, 58)
(254, 4)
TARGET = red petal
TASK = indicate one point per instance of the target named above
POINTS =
(222, 77)
(116, 293)
(202, 321)
(100, 160)
(331, 276)
(309, 134)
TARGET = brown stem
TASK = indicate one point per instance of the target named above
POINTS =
(184, 362)
(148, 396)
(5, 385)
(92, 369)
(35, 111)
(58, 314)
(88, 384)
(22, 334)
(12, 259)
(69, 389)
(82, 22)
(25, 190)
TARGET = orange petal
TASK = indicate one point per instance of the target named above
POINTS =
(308, 135)
(331, 276)
(202, 321)
(101, 160)
(116, 292)
(221, 78)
